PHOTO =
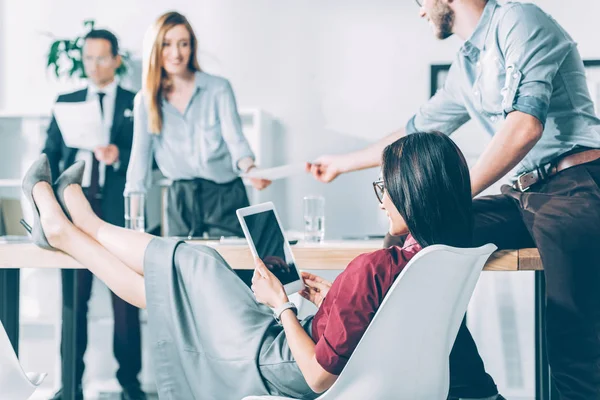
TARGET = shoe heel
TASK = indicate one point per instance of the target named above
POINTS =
(38, 172)
(26, 226)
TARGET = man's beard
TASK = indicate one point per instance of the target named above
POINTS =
(442, 17)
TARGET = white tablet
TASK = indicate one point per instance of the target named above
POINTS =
(267, 241)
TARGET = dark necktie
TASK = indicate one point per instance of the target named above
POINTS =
(94, 189)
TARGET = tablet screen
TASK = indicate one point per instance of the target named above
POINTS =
(270, 245)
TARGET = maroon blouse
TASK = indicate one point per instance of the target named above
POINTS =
(352, 302)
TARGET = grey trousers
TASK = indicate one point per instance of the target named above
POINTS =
(209, 337)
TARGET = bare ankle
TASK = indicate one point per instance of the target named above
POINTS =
(56, 228)
(89, 223)
(79, 208)
(55, 225)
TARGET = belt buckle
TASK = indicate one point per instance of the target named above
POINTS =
(519, 183)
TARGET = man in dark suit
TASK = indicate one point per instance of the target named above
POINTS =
(104, 183)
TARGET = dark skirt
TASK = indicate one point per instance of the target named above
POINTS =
(199, 206)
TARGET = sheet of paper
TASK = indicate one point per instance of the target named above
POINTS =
(275, 173)
(81, 124)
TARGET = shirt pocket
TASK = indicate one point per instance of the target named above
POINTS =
(489, 84)
(208, 138)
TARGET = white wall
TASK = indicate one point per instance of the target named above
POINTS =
(336, 74)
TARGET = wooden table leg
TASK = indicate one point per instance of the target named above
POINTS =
(9, 304)
(69, 328)
(542, 369)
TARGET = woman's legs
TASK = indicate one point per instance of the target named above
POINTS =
(64, 236)
(127, 245)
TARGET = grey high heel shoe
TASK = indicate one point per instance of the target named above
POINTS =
(38, 172)
(70, 176)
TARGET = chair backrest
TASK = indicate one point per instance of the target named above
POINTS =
(14, 383)
(404, 354)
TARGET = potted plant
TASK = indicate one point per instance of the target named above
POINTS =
(65, 57)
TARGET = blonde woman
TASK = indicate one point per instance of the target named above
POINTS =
(188, 120)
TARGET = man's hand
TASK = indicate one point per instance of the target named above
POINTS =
(107, 154)
(327, 168)
(267, 289)
(316, 288)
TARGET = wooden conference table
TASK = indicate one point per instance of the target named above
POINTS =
(330, 255)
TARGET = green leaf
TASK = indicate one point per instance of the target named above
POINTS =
(89, 24)
(76, 68)
(78, 43)
(122, 70)
(54, 53)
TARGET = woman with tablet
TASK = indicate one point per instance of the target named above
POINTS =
(188, 120)
(211, 337)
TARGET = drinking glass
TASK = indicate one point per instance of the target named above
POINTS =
(314, 218)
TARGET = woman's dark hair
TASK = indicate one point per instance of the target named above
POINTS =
(427, 178)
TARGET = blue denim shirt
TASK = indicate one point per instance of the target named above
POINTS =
(518, 58)
(206, 141)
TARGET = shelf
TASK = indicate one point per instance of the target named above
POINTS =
(23, 114)
(248, 115)
(14, 183)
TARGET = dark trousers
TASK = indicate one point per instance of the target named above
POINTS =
(560, 217)
(199, 206)
(126, 338)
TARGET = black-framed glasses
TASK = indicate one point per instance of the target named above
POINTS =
(379, 188)
(419, 3)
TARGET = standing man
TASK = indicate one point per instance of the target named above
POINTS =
(104, 183)
(520, 76)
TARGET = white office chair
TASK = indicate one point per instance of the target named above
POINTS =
(14, 383)
(404, 354)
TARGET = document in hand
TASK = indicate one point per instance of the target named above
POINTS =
(275, 173)
(81, 125)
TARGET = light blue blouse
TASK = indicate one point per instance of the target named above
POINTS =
(206, 141)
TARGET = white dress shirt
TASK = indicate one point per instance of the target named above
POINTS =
(108, 103)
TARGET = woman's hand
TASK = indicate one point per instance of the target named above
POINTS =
(258, 183)
(267, 289)
(316, 288)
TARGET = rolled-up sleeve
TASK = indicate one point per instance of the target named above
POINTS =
(444, 112)
(140, 163)
(338, 341)
(231, 126)
(534, 47)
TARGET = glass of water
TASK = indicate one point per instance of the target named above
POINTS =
(134, 211)
(314, 218)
